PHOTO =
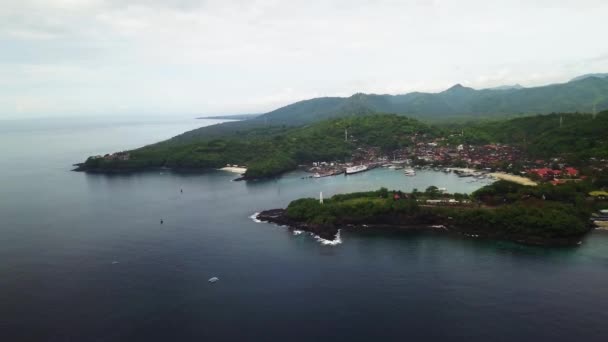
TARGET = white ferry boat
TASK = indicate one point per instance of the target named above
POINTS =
(356, 169)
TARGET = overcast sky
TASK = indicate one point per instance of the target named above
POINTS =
(186, 57)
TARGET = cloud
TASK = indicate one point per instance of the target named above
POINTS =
(235, 55)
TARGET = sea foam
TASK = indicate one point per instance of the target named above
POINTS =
(336, 241)
(254, 217)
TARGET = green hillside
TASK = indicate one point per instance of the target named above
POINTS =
(543, 215)
(579, 136)
(584, 95)
(270, 151)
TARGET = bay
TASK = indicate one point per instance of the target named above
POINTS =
(85, 258)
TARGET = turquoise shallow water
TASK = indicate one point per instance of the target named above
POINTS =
(84, 258)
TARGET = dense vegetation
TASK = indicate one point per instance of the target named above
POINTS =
(269, 151)
(584, 95)
(578, 136)
(504, 209)
(272, 151)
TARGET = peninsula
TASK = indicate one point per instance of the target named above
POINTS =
(459, 127)
(541, 215)
(519, 146)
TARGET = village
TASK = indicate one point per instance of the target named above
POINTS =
(499, 161)
(495, 161)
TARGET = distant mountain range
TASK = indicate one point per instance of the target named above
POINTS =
(589, 75)
(586, 93)
(230, 117)
(507, 87)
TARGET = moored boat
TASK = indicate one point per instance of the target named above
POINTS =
(409, 172)
(356, 169)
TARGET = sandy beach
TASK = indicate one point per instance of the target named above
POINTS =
(601, 225)
(513, 178)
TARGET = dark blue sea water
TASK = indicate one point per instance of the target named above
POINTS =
(84, 258)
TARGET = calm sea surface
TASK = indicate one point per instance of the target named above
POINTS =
(84, 258)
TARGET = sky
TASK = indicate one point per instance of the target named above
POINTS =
(186, 57)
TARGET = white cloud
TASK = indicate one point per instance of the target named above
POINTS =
(94, 56)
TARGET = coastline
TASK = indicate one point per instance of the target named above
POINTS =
(427, 224)
(81, 167)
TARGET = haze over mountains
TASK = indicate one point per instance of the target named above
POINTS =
(586, 93)
(600, 75)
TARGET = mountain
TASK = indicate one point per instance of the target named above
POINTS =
(272, 151)
(230, 117)
(582, 77)
(584, 95)
(507, 87)
(587, 94)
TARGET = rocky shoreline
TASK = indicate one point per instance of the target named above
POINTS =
(435, 225)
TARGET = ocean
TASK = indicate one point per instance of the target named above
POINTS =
(84, 257)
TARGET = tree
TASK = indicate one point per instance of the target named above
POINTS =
(433, 192)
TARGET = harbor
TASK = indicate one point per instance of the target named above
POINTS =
(404, 168)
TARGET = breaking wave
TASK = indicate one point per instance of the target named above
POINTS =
(336, 241)
(254, 217)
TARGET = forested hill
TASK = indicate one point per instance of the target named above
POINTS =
(581, 95)
(272, 150)
(578, 136)
(586, 94)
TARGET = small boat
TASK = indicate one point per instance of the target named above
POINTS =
(316, 175)
(409, 172)
(356, 169)
(601, 224)
(213, 279)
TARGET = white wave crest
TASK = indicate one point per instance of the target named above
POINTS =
(439, 226)
(254, 217)
(336, 241)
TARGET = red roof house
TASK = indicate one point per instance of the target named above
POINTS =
(572, 172)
